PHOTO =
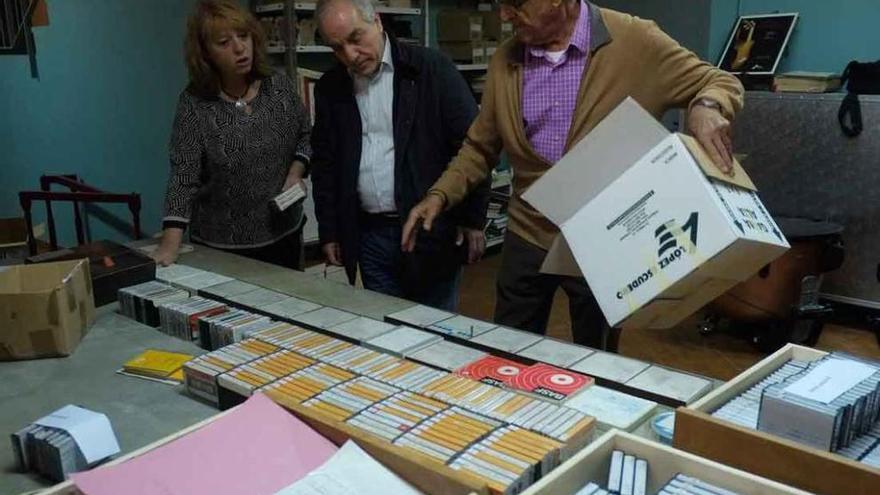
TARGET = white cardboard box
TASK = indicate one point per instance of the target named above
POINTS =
(657, 230)
(765, 454)
(592, 463)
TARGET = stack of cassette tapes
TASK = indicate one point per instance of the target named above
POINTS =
(181, 318)
(627, 474)
(832, 403)
(306, 383)
(324, 318)
(447, 355)
(828, 405)
(403, 341)
(140, 302)
(872, 456)
(462, 326)
(404, 374)
(172, 273)
(506, 438)
(592, 489)
(49, 446)
(743, 409)
(234, 326)
(51, 452)
(865, 448)
(682, 484)
(447, 433)
(189, 278)
(250, 376)
(225, 291)
(257, 299)
(219, 330)
(348, 398)
(511, 458)
(200, 374)
(288, 308)
(362, 329)
(557, 422)
(397, 414)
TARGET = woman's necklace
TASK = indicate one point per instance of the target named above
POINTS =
(239, 101)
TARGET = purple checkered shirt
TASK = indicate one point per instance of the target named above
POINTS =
(550, 90)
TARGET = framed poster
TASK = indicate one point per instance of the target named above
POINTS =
(757, 43)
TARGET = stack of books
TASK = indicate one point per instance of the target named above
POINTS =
(807, 82)
(157, 365)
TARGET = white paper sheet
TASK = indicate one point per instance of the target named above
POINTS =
(831, 379)
(350, 471)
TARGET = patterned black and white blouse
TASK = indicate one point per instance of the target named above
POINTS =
(226, 165)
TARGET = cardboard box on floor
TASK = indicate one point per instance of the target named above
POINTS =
(657, 230)
(45, 309)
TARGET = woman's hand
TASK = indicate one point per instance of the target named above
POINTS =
(295, 176)
(166, 253)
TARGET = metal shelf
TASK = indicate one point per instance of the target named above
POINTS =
(268, 8)
(307, 6)
(314, 49)
(472, 67)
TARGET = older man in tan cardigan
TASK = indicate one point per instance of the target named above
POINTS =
(569, 65)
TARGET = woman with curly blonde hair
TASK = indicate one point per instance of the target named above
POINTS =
(240, 138)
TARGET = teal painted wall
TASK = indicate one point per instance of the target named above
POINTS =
(110, 75)
(827, 37)
(686, 22)
(111, 71)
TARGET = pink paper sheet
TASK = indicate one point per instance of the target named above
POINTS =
(259, 448)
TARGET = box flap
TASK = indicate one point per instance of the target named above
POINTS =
(644, 317)
(10, 279)
(616, 143)
(560, 260)
(49, 322)
(740, 177)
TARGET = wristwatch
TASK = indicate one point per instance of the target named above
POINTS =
(709, 103)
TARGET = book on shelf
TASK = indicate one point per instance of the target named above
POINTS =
(807, 82)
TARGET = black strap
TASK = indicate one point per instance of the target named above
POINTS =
(850, 115)
(847, 72)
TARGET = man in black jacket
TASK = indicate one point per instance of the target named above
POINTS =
(387, 122)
